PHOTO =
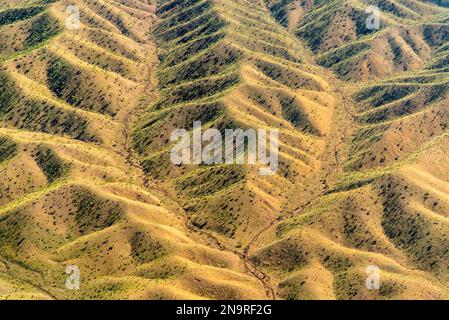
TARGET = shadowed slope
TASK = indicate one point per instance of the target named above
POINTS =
(86, 179)
(228, 65)
(384, 204)
(338, 32)
(72, 192)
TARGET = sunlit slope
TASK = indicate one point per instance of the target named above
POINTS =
(86, 207)
(72, 191)
(85, 123)
(393, 218)
(409, 35)
(229, 65)
(384, 204)
(71, 82)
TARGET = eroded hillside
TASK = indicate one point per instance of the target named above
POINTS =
(86, 116)
(385, 204)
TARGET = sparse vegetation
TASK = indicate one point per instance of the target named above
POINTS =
(86, 179)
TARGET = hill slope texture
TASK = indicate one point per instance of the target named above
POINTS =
(88, 108)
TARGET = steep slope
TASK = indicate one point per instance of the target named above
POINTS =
(337, 31)
(384, 205)
(85, 122)
(72, 190)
